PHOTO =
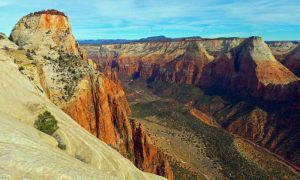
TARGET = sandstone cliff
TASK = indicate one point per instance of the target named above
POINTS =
(148, 59)
(188, 67)
(244, 69)
(148, 157)
(251, 69)
(46, 34)
(145, 155)
(54, 62)
(26, 153)
(281, 49)
(292, 61)
(246, 66)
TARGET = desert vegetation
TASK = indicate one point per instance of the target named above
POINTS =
(173, 110)
(46, 123)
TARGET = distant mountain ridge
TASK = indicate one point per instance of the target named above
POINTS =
(161, 39)
(125, 41)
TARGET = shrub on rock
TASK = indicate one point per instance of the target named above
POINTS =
(46, 123)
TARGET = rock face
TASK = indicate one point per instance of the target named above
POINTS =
(281, 49)
(93, 100)
(187, 68)
(148, 157)
(27, 153)
(251, 69)
(47, 33)
(243, 68)
(145, 155)
(274, 129)
(292, 61)
(154, 59)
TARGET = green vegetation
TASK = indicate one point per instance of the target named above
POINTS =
(69, 90)
(21, 68)
(71, 69)
(219, 145)
(46, 123)
(225, 109)
(181, 173)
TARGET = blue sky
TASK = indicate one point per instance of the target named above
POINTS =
(133, 19)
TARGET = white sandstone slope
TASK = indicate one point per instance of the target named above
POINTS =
(26, 153)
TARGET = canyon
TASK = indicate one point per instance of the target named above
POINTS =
(246, 90)
(153, 108)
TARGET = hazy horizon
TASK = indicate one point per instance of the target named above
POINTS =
(180, 38)
(132, 19)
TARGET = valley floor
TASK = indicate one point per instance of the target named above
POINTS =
(196, 147)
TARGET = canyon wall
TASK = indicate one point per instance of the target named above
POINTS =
(156, 59)
(292, 61)
(281, 49)
(246, 66)
(251, 69)
(27, 152)
(243, 69)
(71, 82)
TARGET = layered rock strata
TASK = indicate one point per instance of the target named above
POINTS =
(71, 82)
(292, 61)
(244, 69)
(27, 153)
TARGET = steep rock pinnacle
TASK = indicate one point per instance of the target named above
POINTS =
(47, 32)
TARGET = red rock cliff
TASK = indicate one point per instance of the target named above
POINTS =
(95, 101)
(293, 61)
(242, 67)
(251, 69)
(141, 59)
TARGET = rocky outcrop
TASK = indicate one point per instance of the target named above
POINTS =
(269, 124)
(281, 49)
(109, 122)
(46, 33)
(27, 153)
(220, 45)
(292, 61)
(251, 69)
(144, 154)
(71, 82)
(148, 157)
(187, 68)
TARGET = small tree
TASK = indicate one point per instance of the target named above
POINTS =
(21, 68)
(46, 123)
